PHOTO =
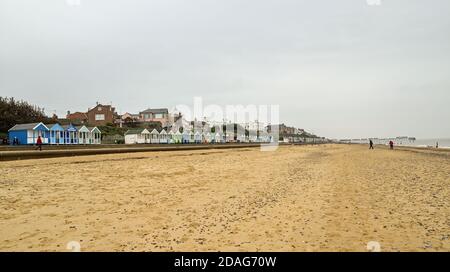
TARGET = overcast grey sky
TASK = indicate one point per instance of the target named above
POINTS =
(337, 68)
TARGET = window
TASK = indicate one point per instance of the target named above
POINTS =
(99, 117)
(159, 115)
(99, 108)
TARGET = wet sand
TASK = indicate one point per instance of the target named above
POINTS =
(298, 198)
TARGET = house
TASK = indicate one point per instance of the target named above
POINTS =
(137, 136)
(95, 135)
(28, 133)
(101, 115)
(77, 117)
(70, 134)
(155, 115)
(129, 117)
(56, 134)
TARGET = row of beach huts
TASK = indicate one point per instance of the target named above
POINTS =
(56, 134)
(26, 134)
(144, 136)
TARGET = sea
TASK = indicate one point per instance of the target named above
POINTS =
(405, 141)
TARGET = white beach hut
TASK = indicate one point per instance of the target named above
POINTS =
(163, 137)
(252, 136)
(208, 138)
(170, 139)
(191, 137)
(145, 137)
(83, 135)
(198, 137)
(230, 137)
(136, 136)
(241, 138)
(264, 137)
(218, 138)
(154, 136)
(95, 135)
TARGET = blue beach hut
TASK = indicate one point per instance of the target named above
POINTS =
(70, 134)
(28, 133)
(56, 134)
(186, 138)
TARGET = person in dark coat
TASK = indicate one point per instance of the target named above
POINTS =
(391, 144)
(370, 144)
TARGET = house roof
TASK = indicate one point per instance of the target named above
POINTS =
(110, 107)
(135, 115)
(155, 111)
(77, 115)
(25, 126)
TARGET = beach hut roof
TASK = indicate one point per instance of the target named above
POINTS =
(185, 132)
(154, 131)
(145, 131)
(163, 132)
(82, 128)
(70, 127)
(134, 131)
(197, 133)
(55, 126)
(27, 126)
(171, 132)
(177, 133)
(94, 128)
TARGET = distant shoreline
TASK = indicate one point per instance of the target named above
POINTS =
(407, 147)
(443, 143)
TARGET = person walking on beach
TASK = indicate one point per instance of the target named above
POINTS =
(437, 144)
(391, 144)
(39, 143)
(370, 144)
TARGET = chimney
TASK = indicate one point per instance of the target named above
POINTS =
(68, 112)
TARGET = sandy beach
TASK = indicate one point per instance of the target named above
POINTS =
(298, 198)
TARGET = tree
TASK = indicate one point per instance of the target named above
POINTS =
(14, 112)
